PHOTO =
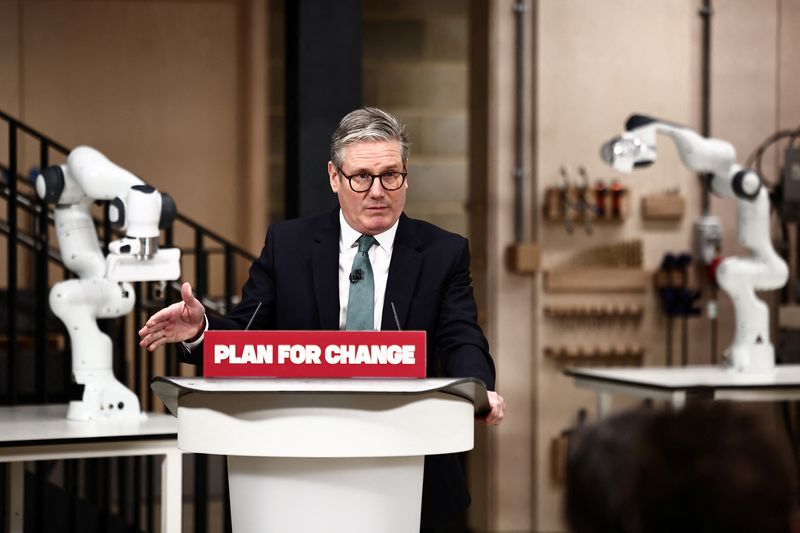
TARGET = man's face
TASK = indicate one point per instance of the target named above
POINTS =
(376, 210)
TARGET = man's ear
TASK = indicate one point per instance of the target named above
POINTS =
(333, 176)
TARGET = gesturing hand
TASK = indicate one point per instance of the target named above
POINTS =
(180, 321)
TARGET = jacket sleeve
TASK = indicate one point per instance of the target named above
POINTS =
(461, 344)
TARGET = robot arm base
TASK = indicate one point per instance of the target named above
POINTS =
(750, 358)
(103, 398)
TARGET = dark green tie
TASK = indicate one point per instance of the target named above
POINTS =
(361, 303)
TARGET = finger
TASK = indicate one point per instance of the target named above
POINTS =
(149, 346)
(498, 408)
(501, 402)
(497, 401)
(188, 296)
(491, 420)
(151, 328)
(148, 328)
(162, 316)
(152, 344)
(157, 340)
(147, 342)
(495, 417)
(153, 347)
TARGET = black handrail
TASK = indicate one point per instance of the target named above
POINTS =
(11, 288)
(26, 231)
(5, 117)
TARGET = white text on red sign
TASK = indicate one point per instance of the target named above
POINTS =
(312, 354)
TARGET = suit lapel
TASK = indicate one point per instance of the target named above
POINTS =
(403, 272)
(325, 271)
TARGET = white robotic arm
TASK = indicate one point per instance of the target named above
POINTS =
(102, 289)
(739, 277)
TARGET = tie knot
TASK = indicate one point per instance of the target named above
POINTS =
(365, 242)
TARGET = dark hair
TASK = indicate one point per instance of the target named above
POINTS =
(712, 468)
(705, 469)
(599, 471)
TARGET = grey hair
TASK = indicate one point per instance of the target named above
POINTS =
(368, 124)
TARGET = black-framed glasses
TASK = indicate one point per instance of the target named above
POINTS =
(391, 180)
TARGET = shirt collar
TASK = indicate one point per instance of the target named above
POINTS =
(348, 236)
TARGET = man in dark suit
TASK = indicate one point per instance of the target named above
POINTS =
(364, 266)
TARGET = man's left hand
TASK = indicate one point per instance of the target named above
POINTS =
(498, 405)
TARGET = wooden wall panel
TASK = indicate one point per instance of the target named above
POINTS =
(9, 61)
(153, 85)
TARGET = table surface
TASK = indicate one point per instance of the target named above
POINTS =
(692, 377)
(47, 424)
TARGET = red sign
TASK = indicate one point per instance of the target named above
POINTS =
(314, 354)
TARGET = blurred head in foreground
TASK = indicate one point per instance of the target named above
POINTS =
(707, 468)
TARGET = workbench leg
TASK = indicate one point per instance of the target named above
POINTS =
(603, 404)
(678, 400)
(16, 496)
(171, 492)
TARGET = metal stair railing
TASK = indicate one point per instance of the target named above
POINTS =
(31, 258)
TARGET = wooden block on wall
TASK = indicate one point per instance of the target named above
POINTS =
(523, 258)
(789, 316)
(663, 207)
(597, 280)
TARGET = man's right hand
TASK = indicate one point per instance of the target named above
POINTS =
(182, 321)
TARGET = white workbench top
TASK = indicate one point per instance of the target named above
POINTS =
(47, 424)
(782, 376)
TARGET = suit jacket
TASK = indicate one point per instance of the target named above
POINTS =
(296, 281)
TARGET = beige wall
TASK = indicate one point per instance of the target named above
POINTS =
(510, 298)
(598, 62)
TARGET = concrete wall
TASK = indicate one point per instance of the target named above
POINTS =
(416, 66)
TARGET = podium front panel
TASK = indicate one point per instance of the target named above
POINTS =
(325, 425)
(312, 495)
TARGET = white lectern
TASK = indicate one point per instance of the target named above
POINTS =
(326, 455)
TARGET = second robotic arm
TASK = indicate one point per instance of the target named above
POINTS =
(739, 277)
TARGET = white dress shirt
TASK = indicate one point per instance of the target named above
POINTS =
(380, 256)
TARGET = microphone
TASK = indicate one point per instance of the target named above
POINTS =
(396, 321)
(254, 315)
(356, 275)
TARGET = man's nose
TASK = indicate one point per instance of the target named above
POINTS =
(376, 190)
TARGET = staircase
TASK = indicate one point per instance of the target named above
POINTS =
(34, 348)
